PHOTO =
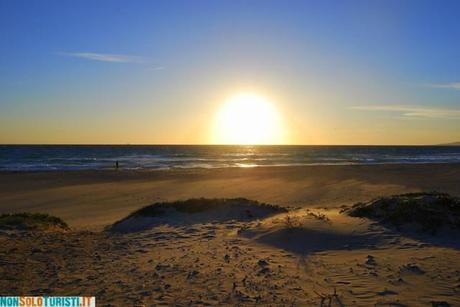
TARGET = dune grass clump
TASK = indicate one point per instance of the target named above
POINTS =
(292, 222)
(431, 211)
(31, 221)
(200, 205)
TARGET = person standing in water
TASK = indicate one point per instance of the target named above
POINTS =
(116, 164)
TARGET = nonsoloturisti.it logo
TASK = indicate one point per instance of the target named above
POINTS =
(47, 301)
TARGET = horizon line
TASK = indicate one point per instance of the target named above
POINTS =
(195, 144)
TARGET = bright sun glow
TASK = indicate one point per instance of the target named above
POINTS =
(247, 119)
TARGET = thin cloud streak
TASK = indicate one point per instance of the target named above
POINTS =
(451, 85)
(106, 57)
(414, 112)
(158, 68)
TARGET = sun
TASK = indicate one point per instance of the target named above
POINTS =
(247, 119)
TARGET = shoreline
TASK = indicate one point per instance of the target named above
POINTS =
(147, 170)
(177, 168)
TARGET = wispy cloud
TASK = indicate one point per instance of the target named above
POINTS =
(106, 57)
(451, 85)
(158, 68)
(414, 112)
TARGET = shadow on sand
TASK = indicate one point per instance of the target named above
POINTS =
(445, 237)
(328, 237)
(304, 241)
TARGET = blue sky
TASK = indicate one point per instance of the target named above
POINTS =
(340, 72)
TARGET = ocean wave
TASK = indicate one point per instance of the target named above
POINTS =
(50, 158)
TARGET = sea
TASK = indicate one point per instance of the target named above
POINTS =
(154, 157)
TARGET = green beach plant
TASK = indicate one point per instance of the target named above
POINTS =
(199, 205)
(202, 210)
(31, 221)
(431, 211)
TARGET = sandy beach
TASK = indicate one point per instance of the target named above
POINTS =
(92, 199)
(328, 259)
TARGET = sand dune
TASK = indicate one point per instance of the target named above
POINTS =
(304, 257)
(194, 211)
